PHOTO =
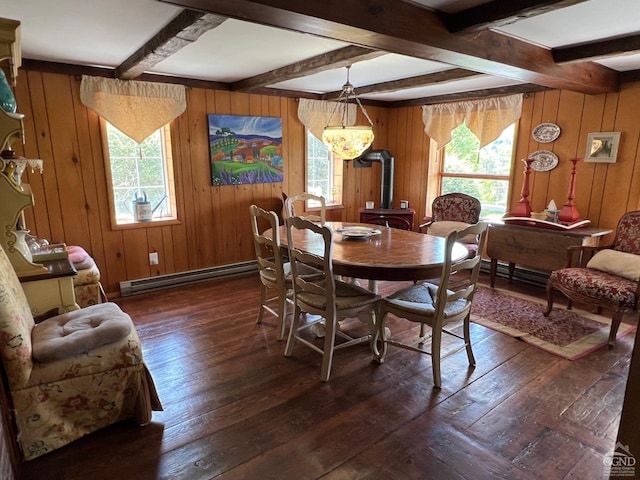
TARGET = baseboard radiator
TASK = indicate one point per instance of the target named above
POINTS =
(159, 282)
(144, 285)
(519, 275)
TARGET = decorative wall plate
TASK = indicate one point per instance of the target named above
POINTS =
(546, 132)
(544, 160)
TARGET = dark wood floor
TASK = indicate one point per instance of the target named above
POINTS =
(235, 407)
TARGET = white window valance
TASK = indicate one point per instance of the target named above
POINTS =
(486, 118)
(137, 109)
(315, 114)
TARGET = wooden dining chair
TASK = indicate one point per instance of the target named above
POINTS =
(326, 298)
(274, 269)
(271, 267)
(436, 305)
(317, 200)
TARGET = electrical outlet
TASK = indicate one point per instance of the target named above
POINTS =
(153, 258)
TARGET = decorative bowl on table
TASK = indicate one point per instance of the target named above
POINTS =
(358, 232)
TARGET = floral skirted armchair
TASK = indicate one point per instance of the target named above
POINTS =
(72, 374)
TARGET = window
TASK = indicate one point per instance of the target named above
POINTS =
(324, 172)
(483, 173)
(140, 173)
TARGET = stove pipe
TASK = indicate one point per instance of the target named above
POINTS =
(386, 159)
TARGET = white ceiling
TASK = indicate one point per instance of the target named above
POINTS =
(105, 33)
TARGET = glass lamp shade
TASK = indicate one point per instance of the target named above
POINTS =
(348, 142)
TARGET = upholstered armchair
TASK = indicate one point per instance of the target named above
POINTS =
(71, 374)
(454, 211)
(605, 277)
(86, 284)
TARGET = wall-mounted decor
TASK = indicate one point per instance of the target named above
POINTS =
(245, 149)
(544, 160)
(602, 147)
(546, 133)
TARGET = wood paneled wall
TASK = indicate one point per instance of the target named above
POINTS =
(71, 194)
(604, 191)
(71, 203)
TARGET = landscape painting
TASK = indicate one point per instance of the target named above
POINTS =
(245, 149)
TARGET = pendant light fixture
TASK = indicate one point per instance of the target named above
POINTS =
(347, 142)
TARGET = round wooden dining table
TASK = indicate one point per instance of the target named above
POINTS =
(393, 254)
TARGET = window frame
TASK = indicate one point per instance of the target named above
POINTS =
(174, 219)
(337, 174)
(440, 157)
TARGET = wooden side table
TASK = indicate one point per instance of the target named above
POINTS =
(51, 290)
(388, 217)
(535, 248)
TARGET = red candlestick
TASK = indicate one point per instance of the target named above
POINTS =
(569, 212)
(523, 209)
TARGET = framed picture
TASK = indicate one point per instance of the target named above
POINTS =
(245, 149)
(602, 147)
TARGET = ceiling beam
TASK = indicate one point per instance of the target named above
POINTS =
(183, 30)
(524, 88)
(342, 57)
(408, 29)
(594, 50)
(79, 70)
(498, 13)
(411, 82)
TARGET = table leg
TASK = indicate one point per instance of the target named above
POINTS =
(512, 268)
(492, 271)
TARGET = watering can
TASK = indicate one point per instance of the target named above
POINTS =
(142, 211)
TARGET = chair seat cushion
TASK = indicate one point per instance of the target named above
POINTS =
(421, 298)
(76, 254)
(270, 275)
(443, 228)
(598, 285)
(347, 296)
(79, 331)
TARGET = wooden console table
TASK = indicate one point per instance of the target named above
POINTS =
(535, 248)
(53, 289)
(388, 217)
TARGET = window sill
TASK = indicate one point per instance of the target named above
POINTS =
(152, 223)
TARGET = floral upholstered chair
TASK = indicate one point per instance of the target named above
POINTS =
(605, 276)
(71, 374)
(86, 284)
(454, 211)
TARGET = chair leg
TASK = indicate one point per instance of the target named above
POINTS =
(329, 344)
(436, 343)
(615, 324)
(467, 341)
(282, 316)
(549, 290)
(295, 325)
(378, 344)
(263, 301)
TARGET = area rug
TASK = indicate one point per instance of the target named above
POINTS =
(570, 334)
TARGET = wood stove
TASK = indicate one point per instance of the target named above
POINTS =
(385, 215)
